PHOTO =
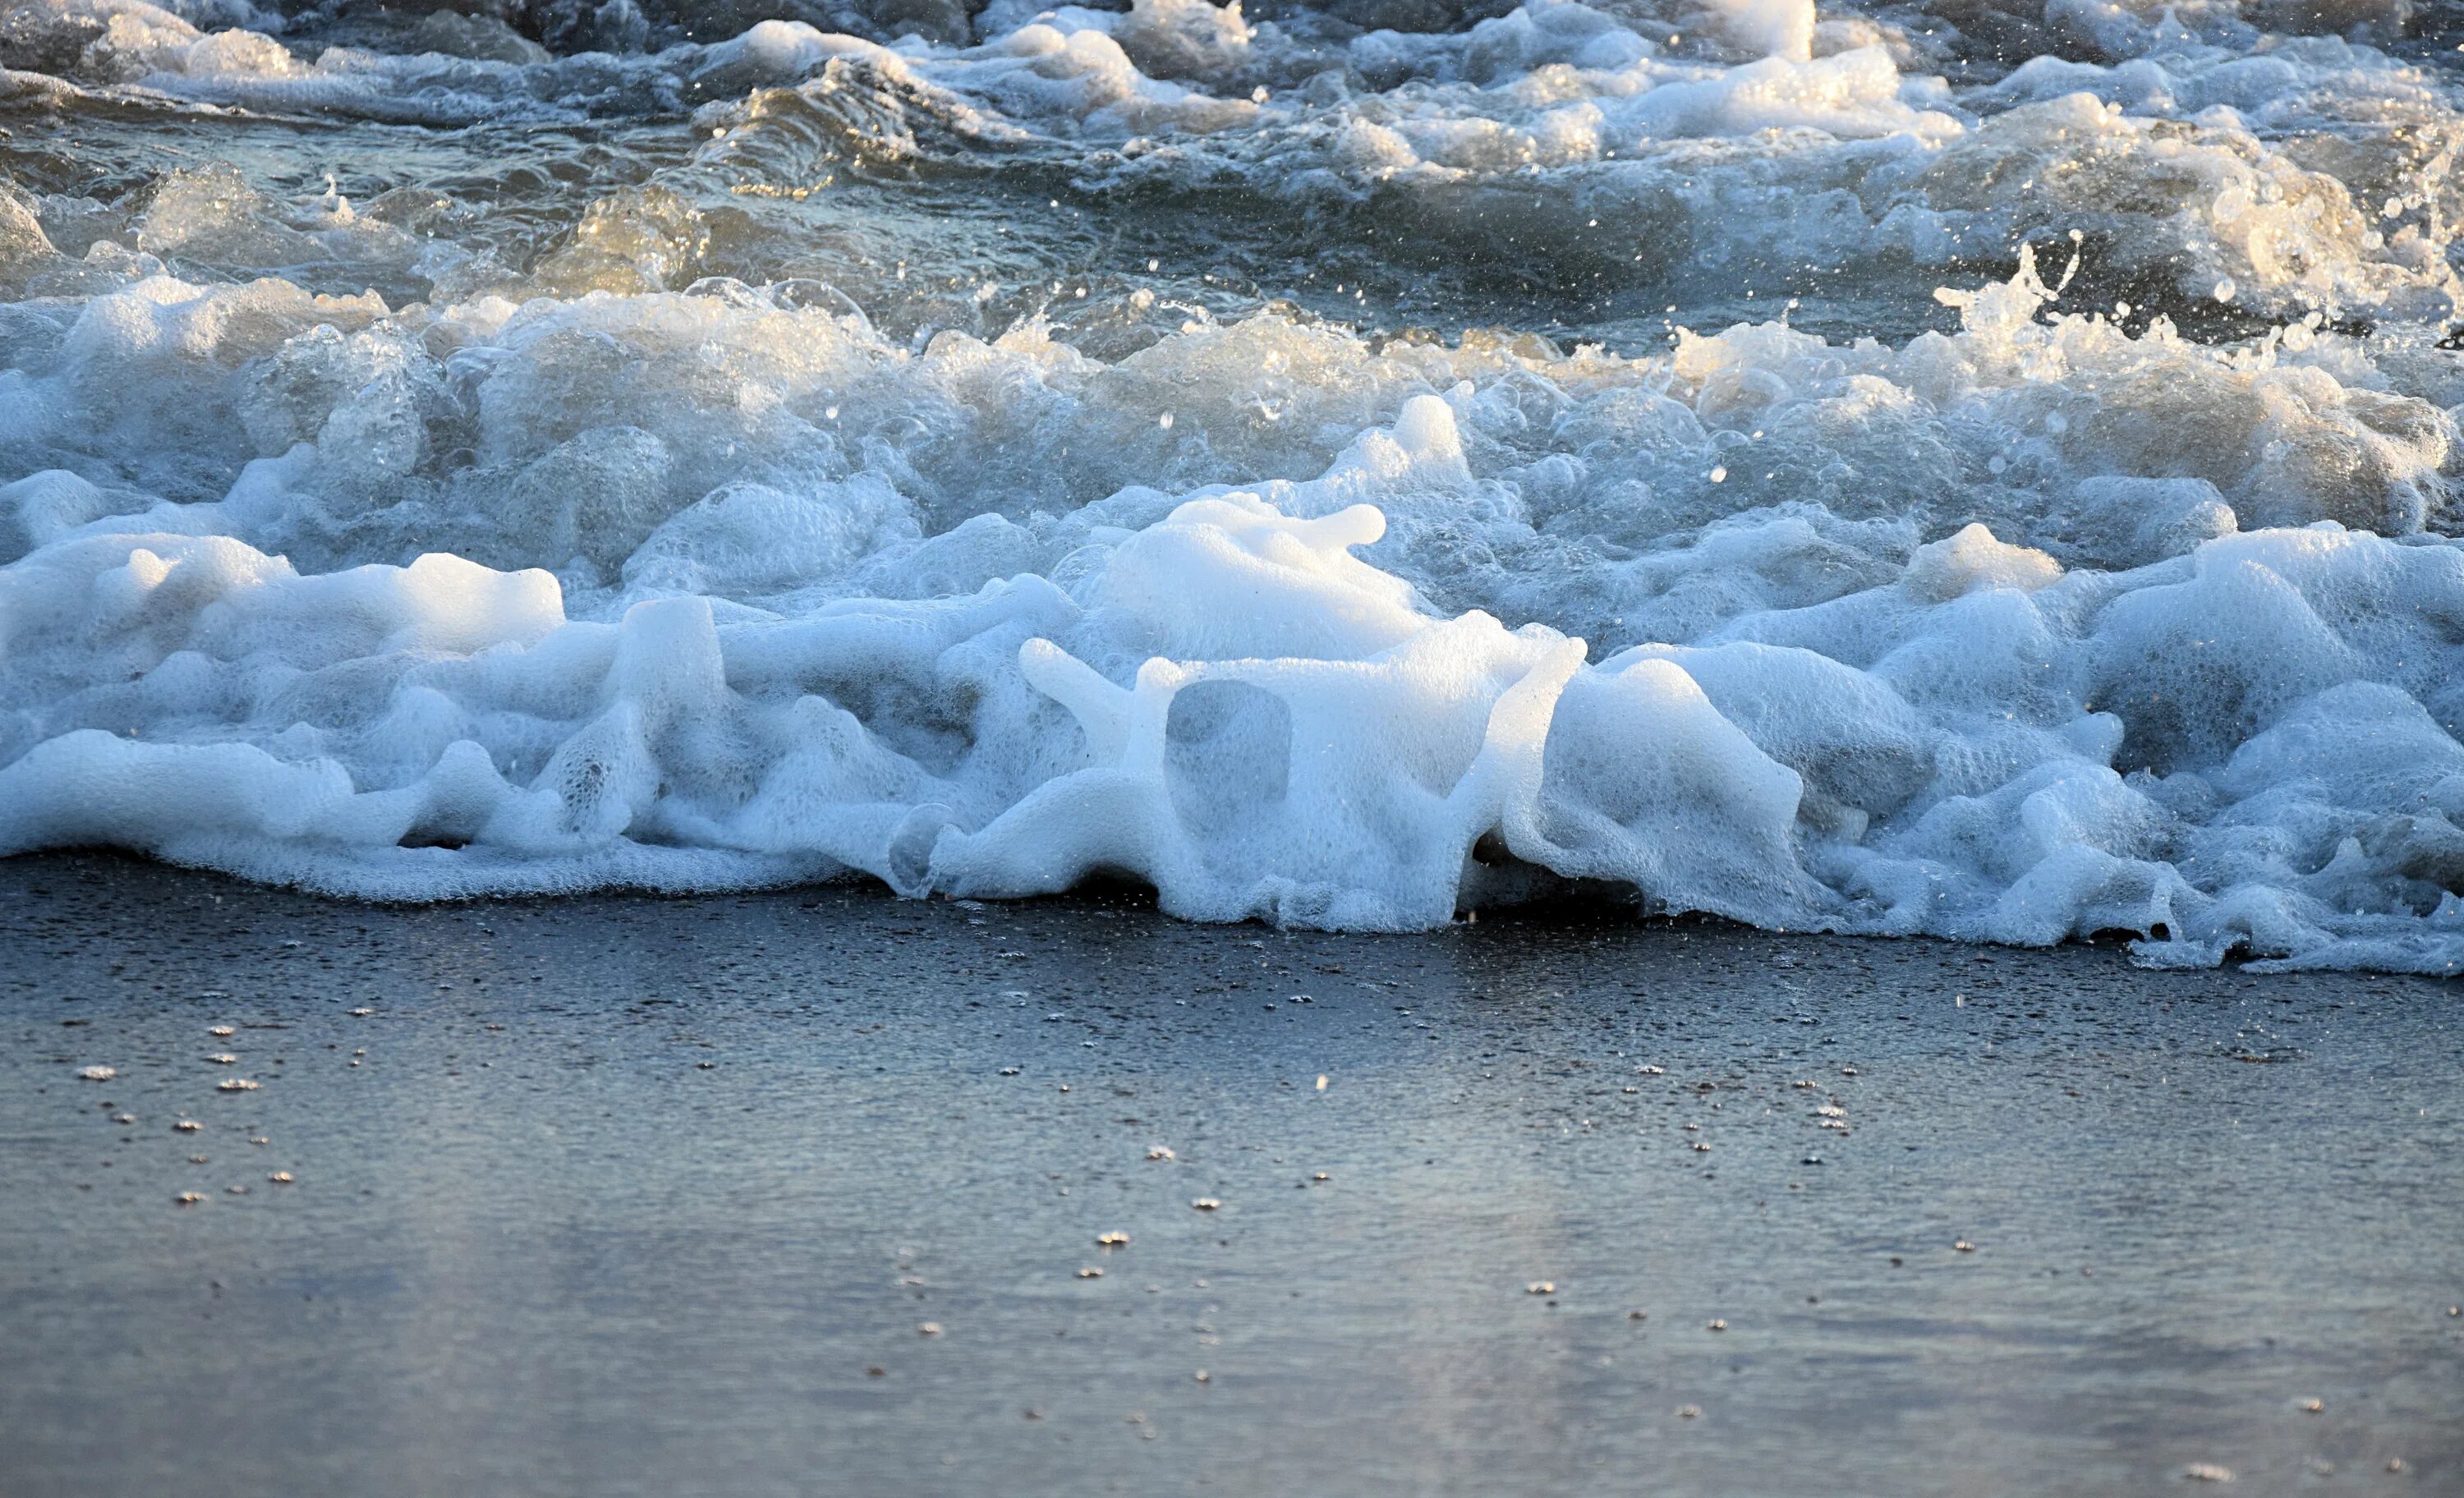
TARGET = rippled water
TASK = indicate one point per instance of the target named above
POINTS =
(1981, 468)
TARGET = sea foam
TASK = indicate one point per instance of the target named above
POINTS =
(372, 546)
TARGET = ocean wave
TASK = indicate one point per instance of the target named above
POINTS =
(772, 476)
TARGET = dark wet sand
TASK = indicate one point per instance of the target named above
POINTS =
(643, 1195)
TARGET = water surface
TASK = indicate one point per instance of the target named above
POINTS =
(637, 1196)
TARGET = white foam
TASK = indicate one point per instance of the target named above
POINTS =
(1227, 703)
(607, 570)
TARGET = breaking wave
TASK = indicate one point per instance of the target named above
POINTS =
(1941, 468)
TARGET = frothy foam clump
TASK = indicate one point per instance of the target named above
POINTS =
(2237, 748)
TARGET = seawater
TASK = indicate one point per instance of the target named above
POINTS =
(1977, 468)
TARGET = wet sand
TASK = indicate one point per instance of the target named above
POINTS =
(799, 1193)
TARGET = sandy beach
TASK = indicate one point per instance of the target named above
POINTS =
(804, 1192)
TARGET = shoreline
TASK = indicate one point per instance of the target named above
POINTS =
(633, 1193)
(1578, 902)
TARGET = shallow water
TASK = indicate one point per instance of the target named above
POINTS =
(622, 1195)
(1979, 470)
